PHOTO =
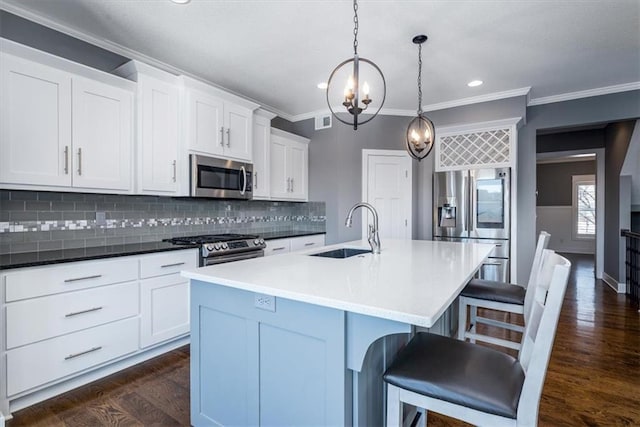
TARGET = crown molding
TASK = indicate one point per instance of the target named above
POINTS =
(124, 51)
(431, 107)
(584, 93)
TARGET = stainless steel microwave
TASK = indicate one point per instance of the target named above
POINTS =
(220, 178)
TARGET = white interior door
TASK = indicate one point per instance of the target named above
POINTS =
(387, 185)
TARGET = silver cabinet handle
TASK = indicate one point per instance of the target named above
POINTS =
(66, 160)
(83, 278)
(288, 185)
(79, 161)
(89, 310)
(309, 244)
(172, 265)
(74, 355)
(228, 137)
(222, 136)
(174, 170)
(292, 185)
(491, 263)
(255, 180)
(278, 249)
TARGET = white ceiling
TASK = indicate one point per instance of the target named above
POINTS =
(275, 52)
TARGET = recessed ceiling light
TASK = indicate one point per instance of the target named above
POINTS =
(322, 85)
(474, 83)
(181, 1)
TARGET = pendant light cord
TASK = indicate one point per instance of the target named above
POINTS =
(355, 27)
(420, 79)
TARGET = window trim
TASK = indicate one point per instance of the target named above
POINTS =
(575, 181)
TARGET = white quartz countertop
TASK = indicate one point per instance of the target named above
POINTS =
(411, 281)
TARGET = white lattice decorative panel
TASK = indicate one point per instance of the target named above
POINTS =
(484, 148)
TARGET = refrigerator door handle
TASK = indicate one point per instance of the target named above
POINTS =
(472, 201)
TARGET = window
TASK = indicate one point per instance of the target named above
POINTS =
(584, 206)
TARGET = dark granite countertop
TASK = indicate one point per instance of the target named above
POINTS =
(287, 234)
(32, 259)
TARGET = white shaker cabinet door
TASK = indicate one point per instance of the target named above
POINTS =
(298, 170)
(280, 181)
(237, 132)
(205, 127)
(35, 123)
(158, 151)
(102, 136)
(164, 309)
(261, 158)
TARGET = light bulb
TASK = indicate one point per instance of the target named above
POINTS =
(365, 89)
(414, 137)
(351, 83)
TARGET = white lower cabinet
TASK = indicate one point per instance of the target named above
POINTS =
(68, 324)
(45, 361)
(292, 244)
(164, 309)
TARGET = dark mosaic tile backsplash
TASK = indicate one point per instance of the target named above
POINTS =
(39, 221)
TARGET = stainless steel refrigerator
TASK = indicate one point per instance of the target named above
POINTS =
(475, 205)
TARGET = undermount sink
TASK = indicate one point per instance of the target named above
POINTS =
(342, 253)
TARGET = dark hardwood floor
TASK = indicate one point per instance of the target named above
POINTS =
(593, 377)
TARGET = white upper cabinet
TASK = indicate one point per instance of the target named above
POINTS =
(102, 136)
(158, 163)
(261, 154)
(63, 126)
(35, 123)
(218, 124)
(289, 166)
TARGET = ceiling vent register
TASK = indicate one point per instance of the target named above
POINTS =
(485, 148)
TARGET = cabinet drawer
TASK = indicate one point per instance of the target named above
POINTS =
(168, 263)
(36, 364)
(68, 277)
(47, 317)
(278, 246)
(307, 242)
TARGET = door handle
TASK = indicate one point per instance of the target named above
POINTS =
(222, 136)
(79, 161)
(288, 185)
(74, 355)
(174, 170)
(66, 160)
(255, 180)
(292, 185)
(83, 278)
(89, 310)
(228, 137)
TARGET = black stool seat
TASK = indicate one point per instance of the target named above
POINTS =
(459, 372)
(494, 291)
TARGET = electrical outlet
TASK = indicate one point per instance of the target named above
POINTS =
(265, 302)
(101, 218)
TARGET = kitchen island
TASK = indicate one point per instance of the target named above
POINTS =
(295, 339)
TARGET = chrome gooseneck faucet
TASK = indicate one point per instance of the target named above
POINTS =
(373, 238)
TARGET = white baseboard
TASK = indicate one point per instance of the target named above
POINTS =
(620, 288)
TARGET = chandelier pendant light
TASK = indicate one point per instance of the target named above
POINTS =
(421, 133)
(356, 97)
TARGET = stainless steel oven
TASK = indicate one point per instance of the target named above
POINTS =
(220, 178)
(221, 248)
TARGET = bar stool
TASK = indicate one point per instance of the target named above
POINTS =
(500, 296)
(478, 384)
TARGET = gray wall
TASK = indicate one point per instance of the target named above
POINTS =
(617, 138)
(569, 141)
(554, 181)
(597, 109)
(335, 160)
(29, 33)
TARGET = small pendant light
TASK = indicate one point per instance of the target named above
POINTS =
(355, 102)
(421, 133)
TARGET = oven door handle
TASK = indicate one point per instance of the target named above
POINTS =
(243, 171)
(232, 257)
